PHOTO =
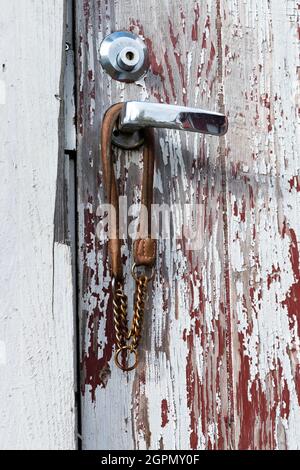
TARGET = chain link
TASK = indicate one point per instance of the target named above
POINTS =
(127, 341)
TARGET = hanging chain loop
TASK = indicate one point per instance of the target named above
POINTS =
(144, 247)
(127, 340)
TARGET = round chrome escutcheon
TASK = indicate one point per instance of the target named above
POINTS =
(124, 56)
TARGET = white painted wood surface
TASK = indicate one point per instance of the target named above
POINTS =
(37, 409)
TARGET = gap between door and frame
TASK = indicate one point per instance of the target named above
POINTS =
(71, 177)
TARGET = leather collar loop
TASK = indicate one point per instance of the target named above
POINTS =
(144, 249)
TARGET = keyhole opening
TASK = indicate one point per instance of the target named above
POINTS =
(128, 58)
(129, 55)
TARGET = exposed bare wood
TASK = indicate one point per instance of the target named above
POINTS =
(220, 354)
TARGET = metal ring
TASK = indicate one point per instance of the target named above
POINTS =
(132, 351)
(126, 140)
(136, 278)
(115, 284)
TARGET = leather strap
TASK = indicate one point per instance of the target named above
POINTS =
(144, 248)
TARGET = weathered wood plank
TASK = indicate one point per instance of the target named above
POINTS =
(37, 373)
(178, 398)
(261, 88)
(218, 368)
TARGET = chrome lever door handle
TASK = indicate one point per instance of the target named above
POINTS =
(136, 115)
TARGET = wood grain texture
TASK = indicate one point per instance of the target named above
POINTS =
(261, 89)
(220, 353)
(37, 372)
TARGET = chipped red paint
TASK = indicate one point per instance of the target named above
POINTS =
(89, 229)
(156, 68)
(265, 101)
(140, 410)
(295, 183)
(182, 16)
(200, 399)
(181, 66)
(212, 55)
(251, 197)
(171, 78)
(95, 362)
(243, 210)
(235, 209)
(285, 401)
(164, 413)
(192, 388)
(274, 276)
(292, 299)
(204, 36)
(248, 409)
(195, 25)
(86, 8)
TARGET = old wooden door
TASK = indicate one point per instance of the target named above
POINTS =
(220, 353)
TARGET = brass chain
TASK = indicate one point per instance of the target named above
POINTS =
(127, 341)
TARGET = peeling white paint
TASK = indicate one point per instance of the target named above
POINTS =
(37, 394)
